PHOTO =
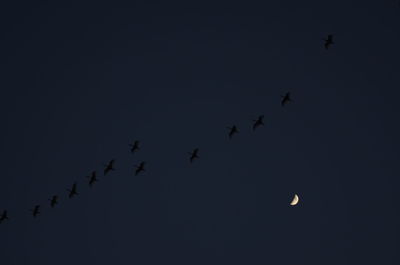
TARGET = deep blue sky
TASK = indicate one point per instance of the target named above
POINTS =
(80, 81)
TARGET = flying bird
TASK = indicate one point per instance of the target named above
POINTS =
(109, 167)
(232, 131)
(135, 146)
(140, 168)
(53, 201)
(92, 178)
(285, 99)
(258, 122)
(194, 155)
(4, 216)
(36, 211)
(328, 41)
(72, 191)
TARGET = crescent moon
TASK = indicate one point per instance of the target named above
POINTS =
(295, 200)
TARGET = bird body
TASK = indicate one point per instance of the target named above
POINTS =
(109, 167)
(36, 211)
(92, 178)
(328, 41)
(4, 216)
(285, 99)
(232, 130)
(258, 122)
(140, 168)
(135, 146)
(72, 191)
(53, 201)
(194, 155)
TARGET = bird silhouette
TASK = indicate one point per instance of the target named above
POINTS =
(135, 146)
(4, 216)
(109, 167)
(36, 211)
(92, 178)
(328, 41)
(72, 191)
(232, 131)
(53, 201)
(258, 122)
(285, 99)
(140, 168)
(194, 155)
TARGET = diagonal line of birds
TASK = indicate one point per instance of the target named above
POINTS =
(141, 167)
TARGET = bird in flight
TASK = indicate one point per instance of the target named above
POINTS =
(135, 146)
(36, 211)
(194, 155)
(258, 122)
(328, 41)
(53, 201)
(285, 99)
(72, 191)
(232, 131)
(4, 216)
(109, 167)
(140, 168)
(92, 178)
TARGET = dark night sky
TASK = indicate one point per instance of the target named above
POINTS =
(80, 81)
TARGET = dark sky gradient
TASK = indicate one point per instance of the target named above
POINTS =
(80, 81)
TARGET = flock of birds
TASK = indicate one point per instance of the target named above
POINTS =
(135, 146)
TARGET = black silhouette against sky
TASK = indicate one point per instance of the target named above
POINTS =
(82, 81)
